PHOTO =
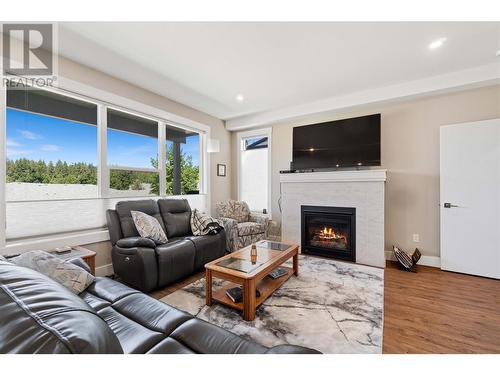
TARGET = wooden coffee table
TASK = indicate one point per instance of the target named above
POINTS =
(267, 260)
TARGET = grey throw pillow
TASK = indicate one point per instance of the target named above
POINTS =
(149, 227)
(65, 273)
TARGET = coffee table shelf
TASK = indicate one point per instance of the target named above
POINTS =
(266, 287)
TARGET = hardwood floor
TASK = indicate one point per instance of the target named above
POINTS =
(434, 311)
(431, 311)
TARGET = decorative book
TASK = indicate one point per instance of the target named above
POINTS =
(236, 294)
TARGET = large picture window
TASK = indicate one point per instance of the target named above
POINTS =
(51, 146)
(52, 151)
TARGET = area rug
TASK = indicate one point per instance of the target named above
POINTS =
(332, 306)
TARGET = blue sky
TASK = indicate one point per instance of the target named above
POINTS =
(45, 138)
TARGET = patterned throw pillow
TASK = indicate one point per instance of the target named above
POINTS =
(65, 273)
(202, 224)
(149, 227)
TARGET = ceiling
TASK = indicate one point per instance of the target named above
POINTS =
(274, 65)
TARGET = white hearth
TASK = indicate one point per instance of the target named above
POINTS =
(363, 190)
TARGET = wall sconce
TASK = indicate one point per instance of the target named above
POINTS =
(213, 145)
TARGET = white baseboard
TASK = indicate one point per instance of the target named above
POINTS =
(105, 270)
(425, 260)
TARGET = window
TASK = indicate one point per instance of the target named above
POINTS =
(183, 161)
(132, 155)
(51, 146)
(52, 142)
(253, 169)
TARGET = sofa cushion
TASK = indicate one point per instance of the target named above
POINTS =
(249, 228)
(124, 208)
(175, 261)
(38, 315)
(203, 337)
(170, 346)
(176, 214)
(149, 227)
(134, 337)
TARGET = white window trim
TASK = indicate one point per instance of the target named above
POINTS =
(3, 150)
(267, 132)
(104, 100)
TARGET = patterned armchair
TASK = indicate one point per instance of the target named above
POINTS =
(242, 226)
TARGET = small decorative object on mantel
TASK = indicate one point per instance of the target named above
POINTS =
(408, 262)
(221, 170)
(253, 254)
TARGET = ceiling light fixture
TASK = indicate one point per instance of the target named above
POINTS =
(240, 98)
(498, 53)
(437, 43)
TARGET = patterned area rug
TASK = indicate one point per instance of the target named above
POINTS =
(331, 306)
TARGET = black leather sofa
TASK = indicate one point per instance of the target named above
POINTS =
(141, 264)
(39, 315)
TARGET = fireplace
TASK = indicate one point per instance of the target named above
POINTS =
(329, 231)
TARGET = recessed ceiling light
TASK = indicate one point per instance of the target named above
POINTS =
(437, 43)
(240, 97)
(311, 149)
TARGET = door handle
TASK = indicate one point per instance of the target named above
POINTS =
(449, 205)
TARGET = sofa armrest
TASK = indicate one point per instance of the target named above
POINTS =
(129, 242)
(291, 349)
(114, 226)
(136, 266)
(261, 219)
(231, 229)
(80, 263)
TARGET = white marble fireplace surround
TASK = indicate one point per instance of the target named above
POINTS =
(361, 189)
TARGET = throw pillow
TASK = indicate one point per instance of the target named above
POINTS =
(149, 227)
(202, 224)
(65, 273)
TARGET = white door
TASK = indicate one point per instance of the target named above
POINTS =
(470, 198)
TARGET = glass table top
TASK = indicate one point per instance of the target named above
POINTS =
(272, 245)
(238, 264)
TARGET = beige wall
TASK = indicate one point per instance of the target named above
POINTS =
(410, 153)
(220, 187)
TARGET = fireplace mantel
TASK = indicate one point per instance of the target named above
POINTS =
(335, 176)
(359, 189)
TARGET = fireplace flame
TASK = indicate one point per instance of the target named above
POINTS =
(330, 234)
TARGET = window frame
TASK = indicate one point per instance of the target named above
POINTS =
(264, 132)
(103, 169)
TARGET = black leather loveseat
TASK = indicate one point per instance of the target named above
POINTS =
(39, 315)
(141, 264)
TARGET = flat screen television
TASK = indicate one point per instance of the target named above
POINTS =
(351, 142)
